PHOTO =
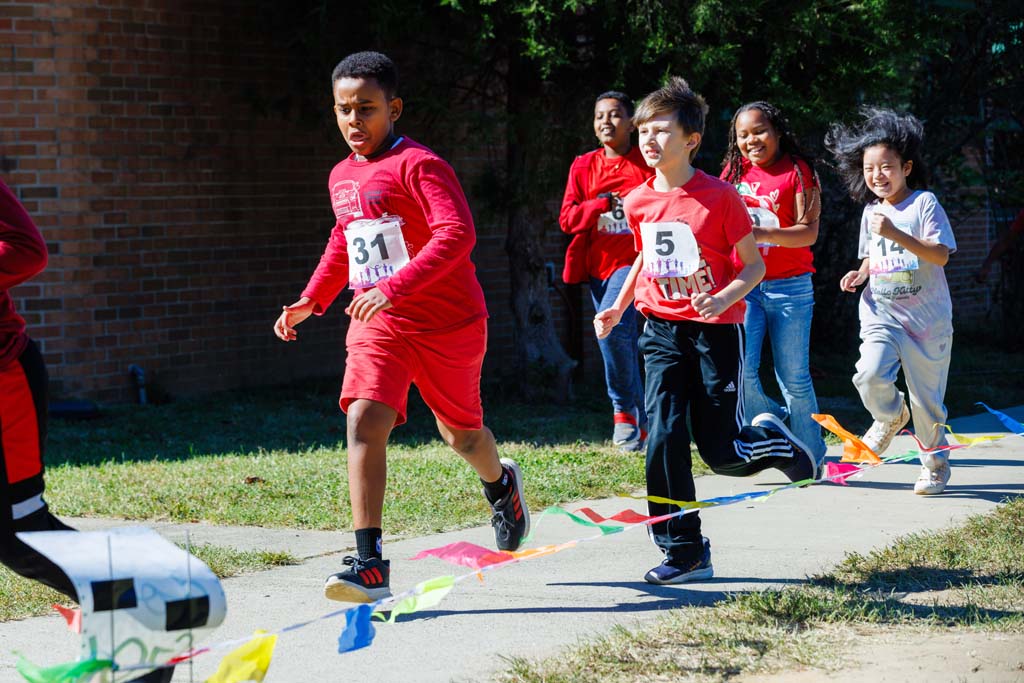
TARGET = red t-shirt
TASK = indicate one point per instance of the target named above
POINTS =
(717, 219)
(22, 255)
(774, 189)
(437, 288)
(610, 242)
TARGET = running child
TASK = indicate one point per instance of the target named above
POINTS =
(402, 242)
(602, 251)
(906, 316)
(777, 182)
(686, 225)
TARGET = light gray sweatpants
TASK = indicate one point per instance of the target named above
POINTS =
(925, 365)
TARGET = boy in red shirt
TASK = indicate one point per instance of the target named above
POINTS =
(602, 251)
(402, 241)
(686, 225)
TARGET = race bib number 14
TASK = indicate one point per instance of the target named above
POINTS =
(669, 249)
(889, 257)
(376, 250)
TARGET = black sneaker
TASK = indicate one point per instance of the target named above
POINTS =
(804, 465)
(511, 519)
(366, 581)
(668, 573)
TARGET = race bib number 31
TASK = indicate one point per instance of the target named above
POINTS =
(889, 257)
(376, 250)
(669, 249)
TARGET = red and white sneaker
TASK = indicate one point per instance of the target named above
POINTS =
(627, 434)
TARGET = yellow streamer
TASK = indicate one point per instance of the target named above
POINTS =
(972, 440)
(247, 664)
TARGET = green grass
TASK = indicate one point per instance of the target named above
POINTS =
(277, 458)
(969, 577)
(21, 598)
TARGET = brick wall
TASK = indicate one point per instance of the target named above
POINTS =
(182, 203)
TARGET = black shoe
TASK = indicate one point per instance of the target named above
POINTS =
(366, 581)
(511, 519)
(669, 573)
(803, 465)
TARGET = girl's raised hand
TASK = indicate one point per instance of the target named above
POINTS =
(852, 280)
(881, 225)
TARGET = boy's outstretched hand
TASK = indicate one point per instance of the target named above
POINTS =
(291, 316)
(852, 280)
(605, 320)
(367, 305)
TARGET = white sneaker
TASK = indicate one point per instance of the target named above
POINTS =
(880, 435)
(933, 478)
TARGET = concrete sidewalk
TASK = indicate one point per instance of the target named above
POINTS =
(537, 608)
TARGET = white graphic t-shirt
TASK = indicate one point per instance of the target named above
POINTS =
(903, 289)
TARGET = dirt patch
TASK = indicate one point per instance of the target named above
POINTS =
(911, 654)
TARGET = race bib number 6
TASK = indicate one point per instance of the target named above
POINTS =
(376, 250)
(613, 222)
(889, 257)
(669, 249)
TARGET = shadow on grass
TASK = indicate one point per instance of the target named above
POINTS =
(296, 420)
(916, 579)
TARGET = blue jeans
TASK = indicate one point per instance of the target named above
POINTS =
(619, 349)
(782, 310)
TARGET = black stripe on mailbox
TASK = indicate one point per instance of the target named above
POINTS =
(188, 613)
(113, 594)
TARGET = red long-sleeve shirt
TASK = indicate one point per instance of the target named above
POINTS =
(438, 288)
(591, 174)
(22, 255)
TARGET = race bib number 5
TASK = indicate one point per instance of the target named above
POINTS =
(376, 250)
(889, 257)
(669, 249)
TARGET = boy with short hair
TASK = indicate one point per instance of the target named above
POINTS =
(402, 241)
(602, 251)
(686, 224)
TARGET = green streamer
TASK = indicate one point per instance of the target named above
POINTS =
(583, 521)
(70, 672)
(428, 594)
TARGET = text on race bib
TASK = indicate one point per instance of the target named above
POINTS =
(376, 250)
(669, 249)
(763, 218)
(887, 256)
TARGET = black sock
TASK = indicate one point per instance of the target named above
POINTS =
(495, 490)
(369, 543)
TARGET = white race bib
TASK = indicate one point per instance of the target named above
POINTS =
(613, 222)
(669, 249)
(376, 250)
(763, 218)
(889, 257)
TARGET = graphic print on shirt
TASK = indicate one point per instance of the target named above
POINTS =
(376, 250)
(345, 199)
(669, 249)
(893, 266)
(701, 280)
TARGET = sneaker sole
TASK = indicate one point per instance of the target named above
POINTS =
(775, 422)
(345, 591)
(517, 473)
(697, 575)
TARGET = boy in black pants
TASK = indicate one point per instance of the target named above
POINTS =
(686, 224)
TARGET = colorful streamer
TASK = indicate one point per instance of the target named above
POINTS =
(839, 472)
(425, 595)
(247, 664)
(555, 510)
(972, 440)
(1008, 422)
(467, 555)
(359, 630)
(72, 615)
(70, 672)
(854, 449)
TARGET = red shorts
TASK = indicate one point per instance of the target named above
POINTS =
(445, 366)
